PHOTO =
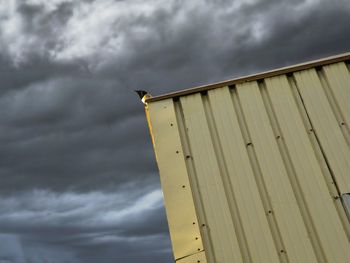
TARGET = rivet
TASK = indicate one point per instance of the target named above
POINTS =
(196, 238)
(193, 223)
(203, 224)
(199, 249)
(183, 186)
(188, 156)
(343, 123)
(171, 124)
(177, 151)
(249, 143)
(270, 212)
(278, 137)
(282, 251)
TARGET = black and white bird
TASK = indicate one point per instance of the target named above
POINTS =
(144, 95)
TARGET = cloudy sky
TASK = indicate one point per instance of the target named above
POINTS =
(78, 178)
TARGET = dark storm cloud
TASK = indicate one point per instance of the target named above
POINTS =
(224, 41)
(79, 222)
(87, 211)
(59, 126)
(78, 175)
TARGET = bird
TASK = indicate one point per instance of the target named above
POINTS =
(144, 95)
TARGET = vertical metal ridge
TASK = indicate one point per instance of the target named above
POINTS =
(321, 157)
(300, 103)
(319, 152)
(291, 173)
(211, 187)
(323, 163)
(240, 174)
(326, 127)
(185, 236)
(339, 115)
(257, 175)
(193, 179)
(334, 190)
(235, 215)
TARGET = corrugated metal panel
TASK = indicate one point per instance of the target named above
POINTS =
(183, 222)
(254, 172)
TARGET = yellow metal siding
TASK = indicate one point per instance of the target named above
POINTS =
(182, 219)
(216, 204)
(326, 126)
(309, 183)
(196, 258)
(256, 170)
(248, 207)
(290, 231)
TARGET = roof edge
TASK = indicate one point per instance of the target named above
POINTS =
(253, 77)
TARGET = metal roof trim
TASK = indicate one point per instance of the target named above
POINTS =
(253, 77)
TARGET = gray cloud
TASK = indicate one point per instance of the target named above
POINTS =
(50, 222)
(76, 161)
(11, 249)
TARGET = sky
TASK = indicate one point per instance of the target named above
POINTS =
(79, 181)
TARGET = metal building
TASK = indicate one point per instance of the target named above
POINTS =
(257, 169)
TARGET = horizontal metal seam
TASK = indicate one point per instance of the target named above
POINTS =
(190, 255)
